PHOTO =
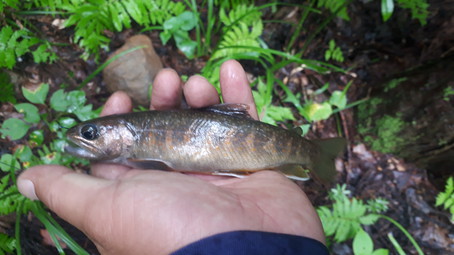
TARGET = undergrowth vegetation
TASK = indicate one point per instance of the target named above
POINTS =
(216, 31)
(446, 198)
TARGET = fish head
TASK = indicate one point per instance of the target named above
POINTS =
(101, 139)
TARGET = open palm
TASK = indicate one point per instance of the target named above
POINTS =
(128, 211)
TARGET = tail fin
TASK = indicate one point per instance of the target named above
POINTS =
(323, 166)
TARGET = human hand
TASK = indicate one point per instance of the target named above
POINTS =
(130, 211)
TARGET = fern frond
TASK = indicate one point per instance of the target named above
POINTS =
(7, 244)
(334, 6)
(14, 44)
(240, 35)
(447, 194)
(92, 18)
(247, 14)
(418, 9)
(9, 3)
(345, 218)
(161, 10)
(446, 198)
(119, 16)
(10, 198)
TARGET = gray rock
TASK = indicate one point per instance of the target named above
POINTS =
(133, 72)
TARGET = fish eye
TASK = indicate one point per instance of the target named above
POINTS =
(89, 132)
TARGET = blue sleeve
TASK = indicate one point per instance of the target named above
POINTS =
(253, 243)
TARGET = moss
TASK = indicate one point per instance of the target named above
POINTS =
(394, 83)
(383, 134)
(387, 130)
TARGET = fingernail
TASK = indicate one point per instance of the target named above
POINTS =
(27, 188)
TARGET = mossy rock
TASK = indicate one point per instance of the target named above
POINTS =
(412, 122)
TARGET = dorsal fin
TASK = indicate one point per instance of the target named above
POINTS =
(236, 110)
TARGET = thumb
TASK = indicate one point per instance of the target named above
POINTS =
(64, 191)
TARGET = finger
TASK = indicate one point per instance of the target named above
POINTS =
(118, 102)
(64, 191)
(108, 171)
(166, 92)
(199, 92)
(235, 86)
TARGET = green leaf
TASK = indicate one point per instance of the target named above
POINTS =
(7, 244)
(23, 153)
(279, 113)
(343, 222)
(362, 243)
(327, 55)
(322, 89)
(165, 36)
(338, 99)
(7, 58)
(42, 54)
(134, 11)
(305, 129)
(6, 89)
(115, 17)
(244, 36)
(377, 205)
(381, 252)
(332, 44)
(368, 219)
(31, 114)
(76, 100)
(317, 112)
(38, 96)
(59, 144)
(387, 8)
(85, 113)
(9, 163)
(444, 197)
(188, 20)
(58, 101)
(67, 122)
(14, 128)
(172, 24)
(37, 138)
(188, 47)
(51, 158)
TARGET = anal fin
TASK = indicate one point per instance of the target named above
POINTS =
(294, 172)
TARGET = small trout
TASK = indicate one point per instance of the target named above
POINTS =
(219, 140)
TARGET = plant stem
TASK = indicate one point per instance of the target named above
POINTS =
(396, 244)
(406, 233)
(210, 27)
(299, 26)
(17, 228)
(55, 229)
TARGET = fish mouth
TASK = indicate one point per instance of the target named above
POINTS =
(78, 151)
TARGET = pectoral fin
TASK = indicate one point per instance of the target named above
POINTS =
(148, 164)
(295, 172)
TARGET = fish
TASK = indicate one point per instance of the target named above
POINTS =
(219, 140)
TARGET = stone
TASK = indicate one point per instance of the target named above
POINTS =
(133, 72)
